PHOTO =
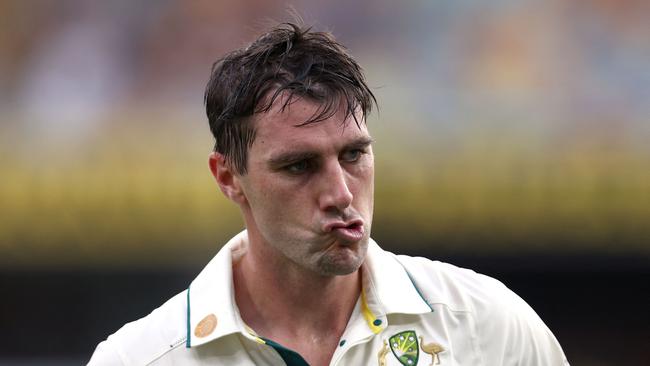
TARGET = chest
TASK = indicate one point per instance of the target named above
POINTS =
(439, 338)
(408, 340)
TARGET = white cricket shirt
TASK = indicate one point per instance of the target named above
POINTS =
(412, 311)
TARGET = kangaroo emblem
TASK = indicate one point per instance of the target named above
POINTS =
(382, 354)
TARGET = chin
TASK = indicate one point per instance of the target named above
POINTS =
(344, 262)
(331, 271)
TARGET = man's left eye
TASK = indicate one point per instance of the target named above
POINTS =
(351, 155)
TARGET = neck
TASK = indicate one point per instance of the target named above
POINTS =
(279, 300)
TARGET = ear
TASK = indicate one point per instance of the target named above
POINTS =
(227, 179)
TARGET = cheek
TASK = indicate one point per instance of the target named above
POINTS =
(363, 177)
(279, 200)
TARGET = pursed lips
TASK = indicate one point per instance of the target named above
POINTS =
(349, 231)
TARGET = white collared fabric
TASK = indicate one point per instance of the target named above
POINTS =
(412, 311)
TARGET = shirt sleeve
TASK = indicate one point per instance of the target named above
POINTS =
(510, 333)
(105, 354)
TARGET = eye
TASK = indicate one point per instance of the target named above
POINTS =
(352, 156)
(298, 167)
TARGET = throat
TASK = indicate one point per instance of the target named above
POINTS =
(287, 308)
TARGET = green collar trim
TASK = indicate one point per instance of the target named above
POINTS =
(188, 342)
(290, 357)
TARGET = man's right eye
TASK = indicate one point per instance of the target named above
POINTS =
(297, 168)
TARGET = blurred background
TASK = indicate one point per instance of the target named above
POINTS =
(513, 137)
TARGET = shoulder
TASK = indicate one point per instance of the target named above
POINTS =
(505, 327)
(143, 341)
(457, 288)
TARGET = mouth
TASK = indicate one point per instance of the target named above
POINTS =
(348, 232)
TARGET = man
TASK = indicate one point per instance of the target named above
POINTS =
(305, 284)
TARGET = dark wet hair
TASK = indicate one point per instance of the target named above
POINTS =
(291, 61)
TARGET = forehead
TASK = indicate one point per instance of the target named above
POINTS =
(285, 128)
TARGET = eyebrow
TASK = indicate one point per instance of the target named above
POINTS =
(359, 143)
(290, 158)
(295, 156)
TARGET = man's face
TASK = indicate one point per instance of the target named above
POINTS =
(309, 189)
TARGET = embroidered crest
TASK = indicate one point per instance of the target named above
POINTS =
(405, 347)
(433, 349)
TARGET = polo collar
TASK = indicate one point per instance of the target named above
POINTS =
(212, 311)
(388, 286)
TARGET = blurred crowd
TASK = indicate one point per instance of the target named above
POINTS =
(587, 58)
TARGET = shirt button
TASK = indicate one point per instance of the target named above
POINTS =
(342, 343)
(377, 322)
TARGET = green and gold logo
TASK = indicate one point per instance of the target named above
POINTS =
(405, 347)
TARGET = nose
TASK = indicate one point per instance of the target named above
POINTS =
(335, 193)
